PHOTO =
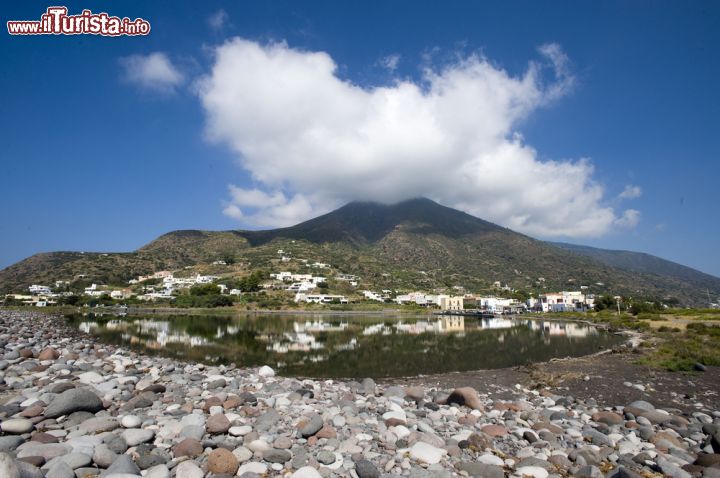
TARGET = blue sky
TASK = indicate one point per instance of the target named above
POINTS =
(94, 160)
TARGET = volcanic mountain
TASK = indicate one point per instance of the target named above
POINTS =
(414, 244)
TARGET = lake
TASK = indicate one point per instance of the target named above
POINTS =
(350, 346)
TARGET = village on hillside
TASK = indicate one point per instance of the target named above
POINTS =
(312, 282)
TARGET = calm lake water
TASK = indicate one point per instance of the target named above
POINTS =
(332, 346)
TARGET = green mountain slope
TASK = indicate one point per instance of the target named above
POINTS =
(645, 264)
(415, 244)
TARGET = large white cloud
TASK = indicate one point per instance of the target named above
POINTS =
(313, 141)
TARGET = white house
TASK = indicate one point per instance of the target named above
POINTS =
(120, 294)
(565, 301)
(452, 303)
(39, 289)
(283, 276)
(370, 295)
(320, 298)
(494, 304)
(301, 287)
(93, 291)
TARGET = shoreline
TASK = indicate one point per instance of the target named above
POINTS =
(72, 406)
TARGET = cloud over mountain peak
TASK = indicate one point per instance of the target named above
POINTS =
(312, 141)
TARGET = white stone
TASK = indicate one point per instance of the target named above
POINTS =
(395, 415)
(490, 459)
(463, 435)
(17, 425)
(253, 467)
(259, 445)
(90, 378)
(193, 419)
(233, 417)
(306, 472)
(33, 400)
(426, 453)
(400, 431)
(158, 471)
(338, 462)
(242, 454)
(266, 372)
(130, 421)
(240, 431)
(188, 469)
(534, 471)
(134, 436)
(8, 468)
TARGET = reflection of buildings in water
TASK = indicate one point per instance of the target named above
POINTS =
(419, 327)
(295, 342)
(352, 345)
(548, 328)
(229, 330)
(319, 326)
(87, 326)
(562, 329)
(451, 324)
(442, 325)
(377, 329)
(496, 323)
(159, 328)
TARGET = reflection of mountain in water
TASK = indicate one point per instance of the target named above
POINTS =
(369, 346)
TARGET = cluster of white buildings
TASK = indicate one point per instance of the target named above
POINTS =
(170, 284)
(383, 296)
(441, 301)
(565, 301)
(303, 285)
(298, 283)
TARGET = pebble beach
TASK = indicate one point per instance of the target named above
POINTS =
(73, 407)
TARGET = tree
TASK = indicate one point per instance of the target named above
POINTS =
(605, 302)
(647, 306)
(70, 300)
(519, 295)
(205, 289)
(251, 283)
(228, 258)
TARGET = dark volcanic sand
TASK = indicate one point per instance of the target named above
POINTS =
(607, 374)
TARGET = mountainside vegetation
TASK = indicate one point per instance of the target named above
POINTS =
(415, 244)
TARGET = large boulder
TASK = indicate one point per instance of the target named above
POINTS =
(73, 400)
(464, 396)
